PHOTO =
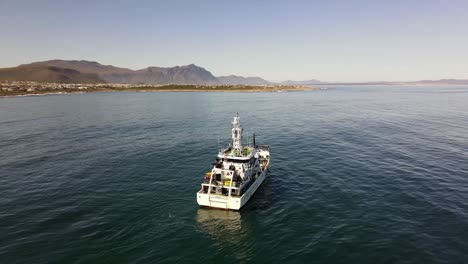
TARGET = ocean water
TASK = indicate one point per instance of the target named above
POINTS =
(358, 175)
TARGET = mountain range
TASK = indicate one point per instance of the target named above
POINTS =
(234, 79)
(189, 74)
(82, 71)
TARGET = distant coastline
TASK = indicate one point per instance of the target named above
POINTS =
(415, 83)
(22, 88)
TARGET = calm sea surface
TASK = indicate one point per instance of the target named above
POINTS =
(358, 175)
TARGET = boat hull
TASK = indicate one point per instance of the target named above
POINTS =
(230, 202)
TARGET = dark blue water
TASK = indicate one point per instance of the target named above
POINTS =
(358, 175)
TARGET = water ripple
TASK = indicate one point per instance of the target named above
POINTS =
(358, 175)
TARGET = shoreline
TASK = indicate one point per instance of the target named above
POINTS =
(35, 89)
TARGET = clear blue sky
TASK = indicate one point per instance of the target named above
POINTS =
(277, 40)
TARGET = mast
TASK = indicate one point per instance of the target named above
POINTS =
(236, 134)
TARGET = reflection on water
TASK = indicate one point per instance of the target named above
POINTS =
(227, 229)
(219, 224)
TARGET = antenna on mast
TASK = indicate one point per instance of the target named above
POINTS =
(236, 134)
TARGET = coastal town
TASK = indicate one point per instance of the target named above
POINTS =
(25, 87)
(15, 88)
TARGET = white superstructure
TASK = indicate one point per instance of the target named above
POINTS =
(236, 174)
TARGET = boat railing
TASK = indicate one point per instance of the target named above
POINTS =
(226, 181)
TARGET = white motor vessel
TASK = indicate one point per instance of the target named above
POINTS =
(236, 174)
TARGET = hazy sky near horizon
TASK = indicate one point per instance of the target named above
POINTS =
(278, 40)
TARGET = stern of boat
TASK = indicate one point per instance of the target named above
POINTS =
(218, 201)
